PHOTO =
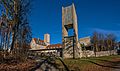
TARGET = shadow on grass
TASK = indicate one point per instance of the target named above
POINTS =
(111, 63)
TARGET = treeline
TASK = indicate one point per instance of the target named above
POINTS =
(15, 32)
(14, 26)
(103, 42)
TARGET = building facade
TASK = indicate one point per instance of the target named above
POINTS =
(36, 43)
(85, 40)
(45, 46)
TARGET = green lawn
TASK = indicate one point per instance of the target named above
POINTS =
(88, 64)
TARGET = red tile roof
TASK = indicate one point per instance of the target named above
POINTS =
(39, 41)
(54, 46)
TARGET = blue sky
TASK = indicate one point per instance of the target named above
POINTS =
(93, 15)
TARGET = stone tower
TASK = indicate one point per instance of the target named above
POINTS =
(47, 39)
(69, 21)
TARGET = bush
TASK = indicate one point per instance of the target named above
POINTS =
(15, 56)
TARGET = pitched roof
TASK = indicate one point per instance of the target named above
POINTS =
(39, 41)
(54, 46)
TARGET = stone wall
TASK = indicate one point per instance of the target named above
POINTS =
(101, 53)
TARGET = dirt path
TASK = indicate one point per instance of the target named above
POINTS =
(110, 65)
(117, 67)
(47, 64)
(117, 64)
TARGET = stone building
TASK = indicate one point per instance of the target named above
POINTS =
(36, 43)
(85, 40)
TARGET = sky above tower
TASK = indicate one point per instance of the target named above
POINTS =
(93, 15)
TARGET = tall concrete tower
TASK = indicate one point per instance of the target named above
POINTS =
(69, 21)
(47, 39)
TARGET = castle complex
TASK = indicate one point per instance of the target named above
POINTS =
(71, 46)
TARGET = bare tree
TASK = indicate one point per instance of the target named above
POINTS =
(17, 13)
(95, 41)
(15, 29)
(110, 40)
(101, 39)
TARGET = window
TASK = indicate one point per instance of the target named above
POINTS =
(70, 32)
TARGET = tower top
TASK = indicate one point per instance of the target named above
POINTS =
(68, 6)
(69, 16)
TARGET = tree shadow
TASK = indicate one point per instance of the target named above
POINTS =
(49, 64)
(38, 65)
(112, 64)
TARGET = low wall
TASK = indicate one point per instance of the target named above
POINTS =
(89, 53)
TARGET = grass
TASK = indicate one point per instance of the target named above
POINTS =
(89, 64)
